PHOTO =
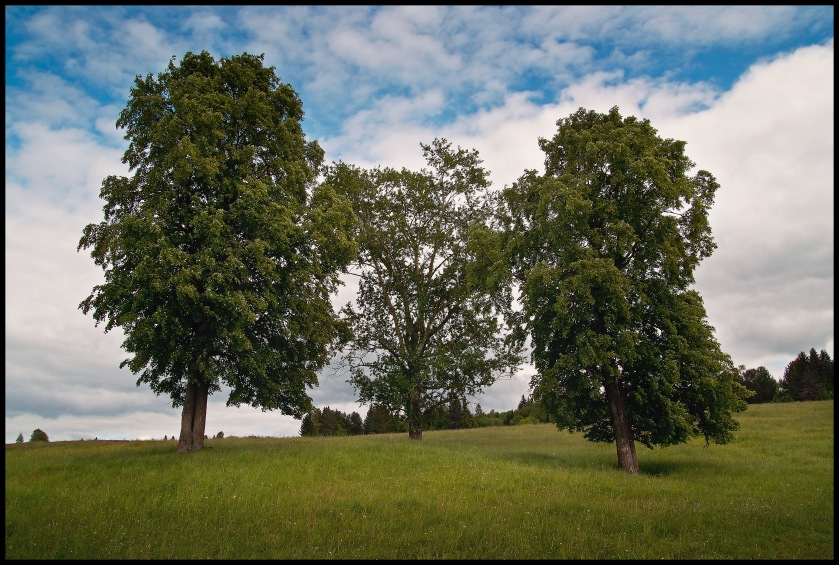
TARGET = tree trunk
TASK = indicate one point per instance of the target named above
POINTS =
(624, 440)
(414, 416)
(194, 418)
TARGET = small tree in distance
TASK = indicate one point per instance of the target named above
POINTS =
(39, 435)
(19, 438)
(762, 383)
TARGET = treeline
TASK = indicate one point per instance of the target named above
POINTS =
(452, 416)
(807, 377)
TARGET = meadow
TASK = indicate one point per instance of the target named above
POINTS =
(516, 492)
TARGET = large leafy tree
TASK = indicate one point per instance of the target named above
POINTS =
(431, 283)
(604, 245)
(220, 252)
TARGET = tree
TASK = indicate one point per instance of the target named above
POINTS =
(761, 383)
(458, 415)
(19, 438)
(604, 245)
(39, 435)
(220, 252)
(310, 426)
(328, 422)
(379, 420)
(356, 424)
(808, 377)
(431, 283)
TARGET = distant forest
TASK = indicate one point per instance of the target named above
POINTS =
(807, 377)
(452, 416)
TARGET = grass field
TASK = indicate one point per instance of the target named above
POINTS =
(521, 492)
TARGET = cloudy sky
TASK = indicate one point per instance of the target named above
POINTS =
(750, 89)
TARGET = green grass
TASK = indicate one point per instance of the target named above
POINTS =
(522, 492)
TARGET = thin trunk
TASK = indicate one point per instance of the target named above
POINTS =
(624, 440)
(194, 418)
(415, 415)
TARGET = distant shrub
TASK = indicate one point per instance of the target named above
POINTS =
(220, 435)
(39, 435)
(19, 438)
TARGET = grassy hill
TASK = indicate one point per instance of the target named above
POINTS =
(520, 492)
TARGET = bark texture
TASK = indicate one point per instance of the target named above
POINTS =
(624, 440)
(194, 418)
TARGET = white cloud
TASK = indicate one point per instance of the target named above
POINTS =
(768, 288)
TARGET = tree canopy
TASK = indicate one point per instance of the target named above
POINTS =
(604, 245)
(220, 252)
(761, 383)
(431, 283)
(808, 377)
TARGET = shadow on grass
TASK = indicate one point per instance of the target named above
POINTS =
(598, 462)
(555, 461)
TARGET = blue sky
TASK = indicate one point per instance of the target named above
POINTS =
(749, 88)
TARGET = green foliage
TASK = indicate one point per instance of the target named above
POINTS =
(220, 252)
(38, 435)
(761, 383)
(356, 424)
(604, 246)
(431, 283)
(458, 416)
(329, 422)
(310, 425)
(528, 411)
(808, 377)
(19, 438)
(379, 420)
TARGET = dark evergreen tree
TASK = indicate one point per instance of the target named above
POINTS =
(825, 369)
(458, 415)
(808, 377)
(310, 426)
(19, 438)
(328, 422)
(379, 420)
(468, 417)
(356, 424)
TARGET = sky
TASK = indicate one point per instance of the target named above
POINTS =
(750, 89)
